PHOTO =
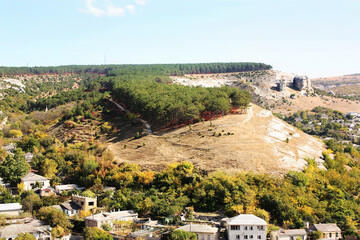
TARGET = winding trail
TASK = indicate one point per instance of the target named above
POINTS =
(249, 115)
(147, 125)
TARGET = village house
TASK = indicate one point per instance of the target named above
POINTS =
(150, 224)
(246, 227)
(352, 114)
(2, 183)
(10, 209)
(28, 156)
(9, 148)
(324, 116)
(330, 231)
(67, 187)
(35, 227)
(288, 234)
(47, 191)
(203, 232)
(32, 179)
(76, 204)
(99, 219)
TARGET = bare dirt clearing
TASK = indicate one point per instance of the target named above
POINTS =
(260, 143)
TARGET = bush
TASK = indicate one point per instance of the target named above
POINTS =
(182, 235)
(92, 233)
(13, 133)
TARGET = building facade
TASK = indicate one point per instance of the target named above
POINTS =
(99, 219)
(10, 209)
(246, 227)
(289, 234)
(330, 231)
(203, 232)
(32, 179)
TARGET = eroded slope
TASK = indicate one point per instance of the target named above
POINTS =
(257, 142)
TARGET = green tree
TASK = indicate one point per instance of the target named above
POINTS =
(25, 236)
(182, 235)
(49, 168)
(106, 227)
(14, 168)
(31, 202)
(315, 235)
(13, 133)
(54, 217)
(88, 193)
(92, 233)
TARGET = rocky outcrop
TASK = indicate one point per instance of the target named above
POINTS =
(281, 85)
(301, 83)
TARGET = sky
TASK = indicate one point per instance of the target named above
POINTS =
(317, 38)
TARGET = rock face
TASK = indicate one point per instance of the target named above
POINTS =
(301, 83)
(281, 85)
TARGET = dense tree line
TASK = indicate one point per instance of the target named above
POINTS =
(171, 103)
(163, 69)
(60, 99)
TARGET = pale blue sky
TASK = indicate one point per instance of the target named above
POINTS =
(313, 37)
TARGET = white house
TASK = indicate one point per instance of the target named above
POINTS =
(29, 156)
(330, 231)
(289, 234)
(67, 187)
(109, 217)
(246, 227)
(203, 232)
(78, 203)
(31, 179)
(10, 209)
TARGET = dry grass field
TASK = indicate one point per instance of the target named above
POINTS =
(257, 142)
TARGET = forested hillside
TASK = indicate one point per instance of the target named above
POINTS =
(171, 103)
(144, 89)
(162, 69)
(64, 154)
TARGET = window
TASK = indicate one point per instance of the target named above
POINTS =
(202, 237)
(251, 228)
(330, 235)
(237, 236)
(235, 227)
(260, 227)
(208, 237)
(91, 203)
(337, 234)
(245, 228)
(245, 236)
(259, 236)
(251, 236)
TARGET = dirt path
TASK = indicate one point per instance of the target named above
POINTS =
(249, 115)
(147, 125)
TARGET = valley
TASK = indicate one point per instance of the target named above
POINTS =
(164, 139)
